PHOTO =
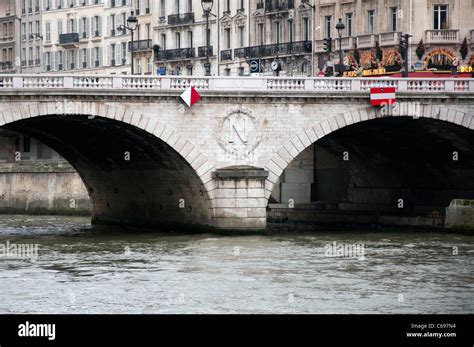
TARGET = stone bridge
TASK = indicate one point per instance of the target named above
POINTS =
(146, 158)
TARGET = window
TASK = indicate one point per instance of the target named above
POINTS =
(38, 28)
(241, 36)
(84, 27)
(163, 41)
(290, 31)
(84, 58)
(162, 8)
(261, 34)
(23, 30)
(190, 6)
(124, 22)
(30, 31)
(349, 24)
(227, 72)
(124, 53)
(72, 59)
(148, 32)
(440, 17)
(227, 6)
(190, 39)
(96, 25)
(327, 26)
(178, 40)
(48, 30)
(60, 26)
(112, 54)
(23, 56)
(176, 6)
(277, 32)
(96, 56)
(148, 66)
(370, 21)
(48, 61)
(30, 56)
(241, 5)
(37, 62)
(393, 18)
(60, 60)
(227, 38)
(112, 24)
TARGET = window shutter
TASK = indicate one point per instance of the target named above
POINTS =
(93, 27)
(81, 27)
(86, 29)
(119, 54)
(100, 25)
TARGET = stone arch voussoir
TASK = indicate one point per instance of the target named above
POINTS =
(307, 136)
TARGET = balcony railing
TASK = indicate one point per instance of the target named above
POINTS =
(181, 19)
(70, 39)
(202, 51)
(442, 36)
(316, 86)
(139, 46)
(300, 47)
(366, 41)
(226, 54)
(279, 5)
(174, 54)
(389, 39)
(6, 65)
(347, 43)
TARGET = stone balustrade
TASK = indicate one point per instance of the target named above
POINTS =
(236, 84)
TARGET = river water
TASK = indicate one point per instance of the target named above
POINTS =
(83, 269)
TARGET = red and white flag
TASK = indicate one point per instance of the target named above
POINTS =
(190, 96)
(379, 96)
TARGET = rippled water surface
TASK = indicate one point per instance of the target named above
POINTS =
(81, 269)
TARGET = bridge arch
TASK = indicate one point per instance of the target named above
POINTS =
(338, 129)
(163, 179)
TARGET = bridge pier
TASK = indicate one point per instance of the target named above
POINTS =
(239, 198)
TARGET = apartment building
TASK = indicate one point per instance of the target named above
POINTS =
(180, 37)
(10, 22)
(31, 45)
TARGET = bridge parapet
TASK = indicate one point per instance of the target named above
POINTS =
(235, 84)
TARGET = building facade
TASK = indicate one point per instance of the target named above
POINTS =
(9, 37)
(31, 45)
(276, 37)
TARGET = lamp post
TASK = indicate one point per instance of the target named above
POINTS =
(207, 7)
(131, 26)
(340, 28)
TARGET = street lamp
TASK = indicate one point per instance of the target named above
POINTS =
(207, 7)
(340, 28)
(131, 26)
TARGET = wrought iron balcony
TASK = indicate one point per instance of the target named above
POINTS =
(202, 51)
(71, 39)
(6, 65)
(279, 5)
(181, 19)
(226, 54)
(174, 54)
(300, 47)
(140, 45)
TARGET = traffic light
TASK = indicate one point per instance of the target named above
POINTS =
(402, 46)
(327, 44)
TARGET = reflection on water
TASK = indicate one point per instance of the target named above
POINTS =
(81, 269)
